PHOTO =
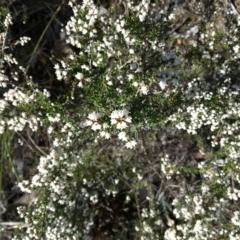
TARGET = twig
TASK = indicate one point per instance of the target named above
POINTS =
(44, 31)
(34, 144)
(13, 225)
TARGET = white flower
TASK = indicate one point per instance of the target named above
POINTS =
(8, 20)
(46, 93)
(25, 186)
(236, 219)
(205, 189)
(121, 125)
(236, 48)
(198, 226)
(197, 200)
(55, 118)
(162, 84)
(93, 121)
(122, 136)
(105, 134)
(120, 118)
(108, 40)
(143, 89)
(171, 16)
(131, 51)
(105, 125)
(131, 144)
(3, 80)
(130, 77)
(79, 76)
(137, 228)
(120, 26)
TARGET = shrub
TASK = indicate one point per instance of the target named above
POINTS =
(135, 92)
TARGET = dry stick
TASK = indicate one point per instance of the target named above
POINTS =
(34, 51)
(44, 31)
(13, 225)
(34, 144)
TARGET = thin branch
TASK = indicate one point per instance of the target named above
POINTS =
(44, 32)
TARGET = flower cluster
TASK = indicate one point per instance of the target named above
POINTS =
(8, 20)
